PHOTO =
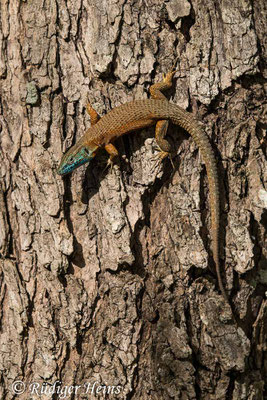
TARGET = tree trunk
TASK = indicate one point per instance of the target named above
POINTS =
(108, 286)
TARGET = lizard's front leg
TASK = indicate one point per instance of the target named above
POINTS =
(94, 116)
(113, 153)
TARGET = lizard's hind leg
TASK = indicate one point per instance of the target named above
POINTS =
(164, 145)
(156, 89)
(162, 125)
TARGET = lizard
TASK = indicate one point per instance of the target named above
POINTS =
(140, 114)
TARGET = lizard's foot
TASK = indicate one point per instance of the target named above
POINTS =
(105, 164)
(167, 78)
(169, 75)
(110, 164)
(161, 156)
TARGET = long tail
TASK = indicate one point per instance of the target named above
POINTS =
(207, 154)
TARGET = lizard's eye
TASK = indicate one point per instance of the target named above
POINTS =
(87, 151)
(71, 159)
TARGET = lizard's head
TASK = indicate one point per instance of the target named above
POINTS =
(77, 155)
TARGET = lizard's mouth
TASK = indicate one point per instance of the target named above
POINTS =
(72, 160)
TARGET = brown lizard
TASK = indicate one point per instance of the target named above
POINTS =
(140, 114)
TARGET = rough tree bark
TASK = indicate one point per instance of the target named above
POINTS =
(107, 277)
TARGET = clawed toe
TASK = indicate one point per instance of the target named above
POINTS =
(161, 156)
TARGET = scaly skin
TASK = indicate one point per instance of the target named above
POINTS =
(140, 114)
